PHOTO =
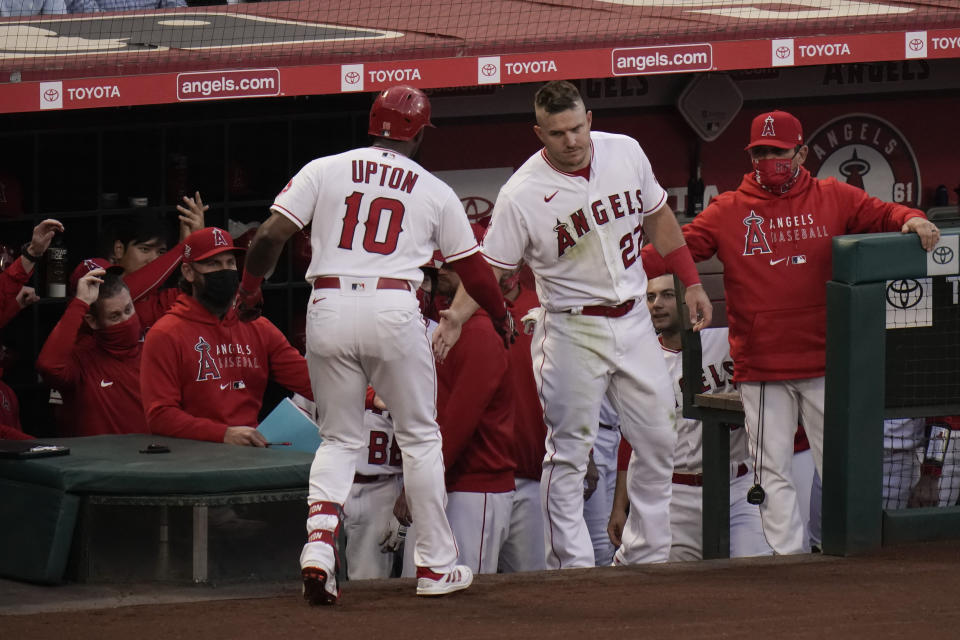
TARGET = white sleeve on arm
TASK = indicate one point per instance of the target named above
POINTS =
(654, 195)
(507, 236)
(454, 235)
(298, 199)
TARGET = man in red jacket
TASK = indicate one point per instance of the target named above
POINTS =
(203, 372)
(774, 237)
(99, 378)
(524, 548)
(475, 411)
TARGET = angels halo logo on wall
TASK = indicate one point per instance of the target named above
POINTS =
(867, 152)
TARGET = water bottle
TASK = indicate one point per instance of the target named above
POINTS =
(56, 268)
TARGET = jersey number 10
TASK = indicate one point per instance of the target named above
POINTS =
(378, 207)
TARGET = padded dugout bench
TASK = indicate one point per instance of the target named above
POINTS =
(107, 508)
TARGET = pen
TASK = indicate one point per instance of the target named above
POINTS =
(279, 444)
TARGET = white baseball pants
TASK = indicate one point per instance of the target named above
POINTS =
(785, 403)
(523, 548)
(686, 522)
(355, 335)
(367, 513)
(576, 360)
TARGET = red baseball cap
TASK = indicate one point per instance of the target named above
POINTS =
(207, 243)
(775, 129)
(86, 267)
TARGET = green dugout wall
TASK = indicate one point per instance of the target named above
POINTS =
(854, 520)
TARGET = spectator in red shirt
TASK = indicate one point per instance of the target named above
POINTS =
(99, 378)
(14, 294)
(203, 372)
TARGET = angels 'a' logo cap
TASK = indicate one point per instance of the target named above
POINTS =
(207, 243)
(775, 129)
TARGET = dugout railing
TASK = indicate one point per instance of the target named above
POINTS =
(862, 376)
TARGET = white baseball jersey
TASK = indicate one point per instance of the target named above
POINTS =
(548, 217)
(717, 377)
(382, 454)
(375, 212)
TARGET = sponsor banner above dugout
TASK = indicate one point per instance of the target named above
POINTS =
(273, 49)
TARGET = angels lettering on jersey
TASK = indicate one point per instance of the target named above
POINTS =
(213, 360)
(716, 376)
(617, 205)
(757, 239)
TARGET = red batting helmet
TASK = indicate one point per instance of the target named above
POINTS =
(399, 113)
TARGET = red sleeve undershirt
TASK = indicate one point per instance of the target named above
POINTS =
(623, 455)
(12, 279)
(478, 279)
(152, 275)
(55, 362)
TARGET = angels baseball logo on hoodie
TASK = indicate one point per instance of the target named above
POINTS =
(208, 366)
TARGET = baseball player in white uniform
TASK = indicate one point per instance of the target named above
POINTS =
(576, 213)
(686, 507)
(368, 520)
(372, 533)
(376, 217)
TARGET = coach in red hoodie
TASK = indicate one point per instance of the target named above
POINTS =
(774, 237)
(203, 372)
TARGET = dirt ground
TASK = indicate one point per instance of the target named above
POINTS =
(902, 592)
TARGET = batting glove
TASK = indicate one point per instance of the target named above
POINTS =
(393, 536)
(506, 328)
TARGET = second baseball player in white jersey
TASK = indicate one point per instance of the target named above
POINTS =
(686, 507)
(544, 215)
(576, 212)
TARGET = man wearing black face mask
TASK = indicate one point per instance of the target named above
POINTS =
(774, 236)
(204, 371)
(100, 377)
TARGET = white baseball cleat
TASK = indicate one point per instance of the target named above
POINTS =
(430, 583)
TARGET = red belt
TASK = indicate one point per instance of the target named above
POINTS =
(621, 309)
(359, 478)
(696, 479)
(333, 282)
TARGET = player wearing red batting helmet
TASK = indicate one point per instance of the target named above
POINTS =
(376, 216)
(399, 113)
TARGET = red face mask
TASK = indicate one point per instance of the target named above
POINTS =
(121, 337)
(775, 174)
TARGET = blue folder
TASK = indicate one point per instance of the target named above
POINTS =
(289, 423)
